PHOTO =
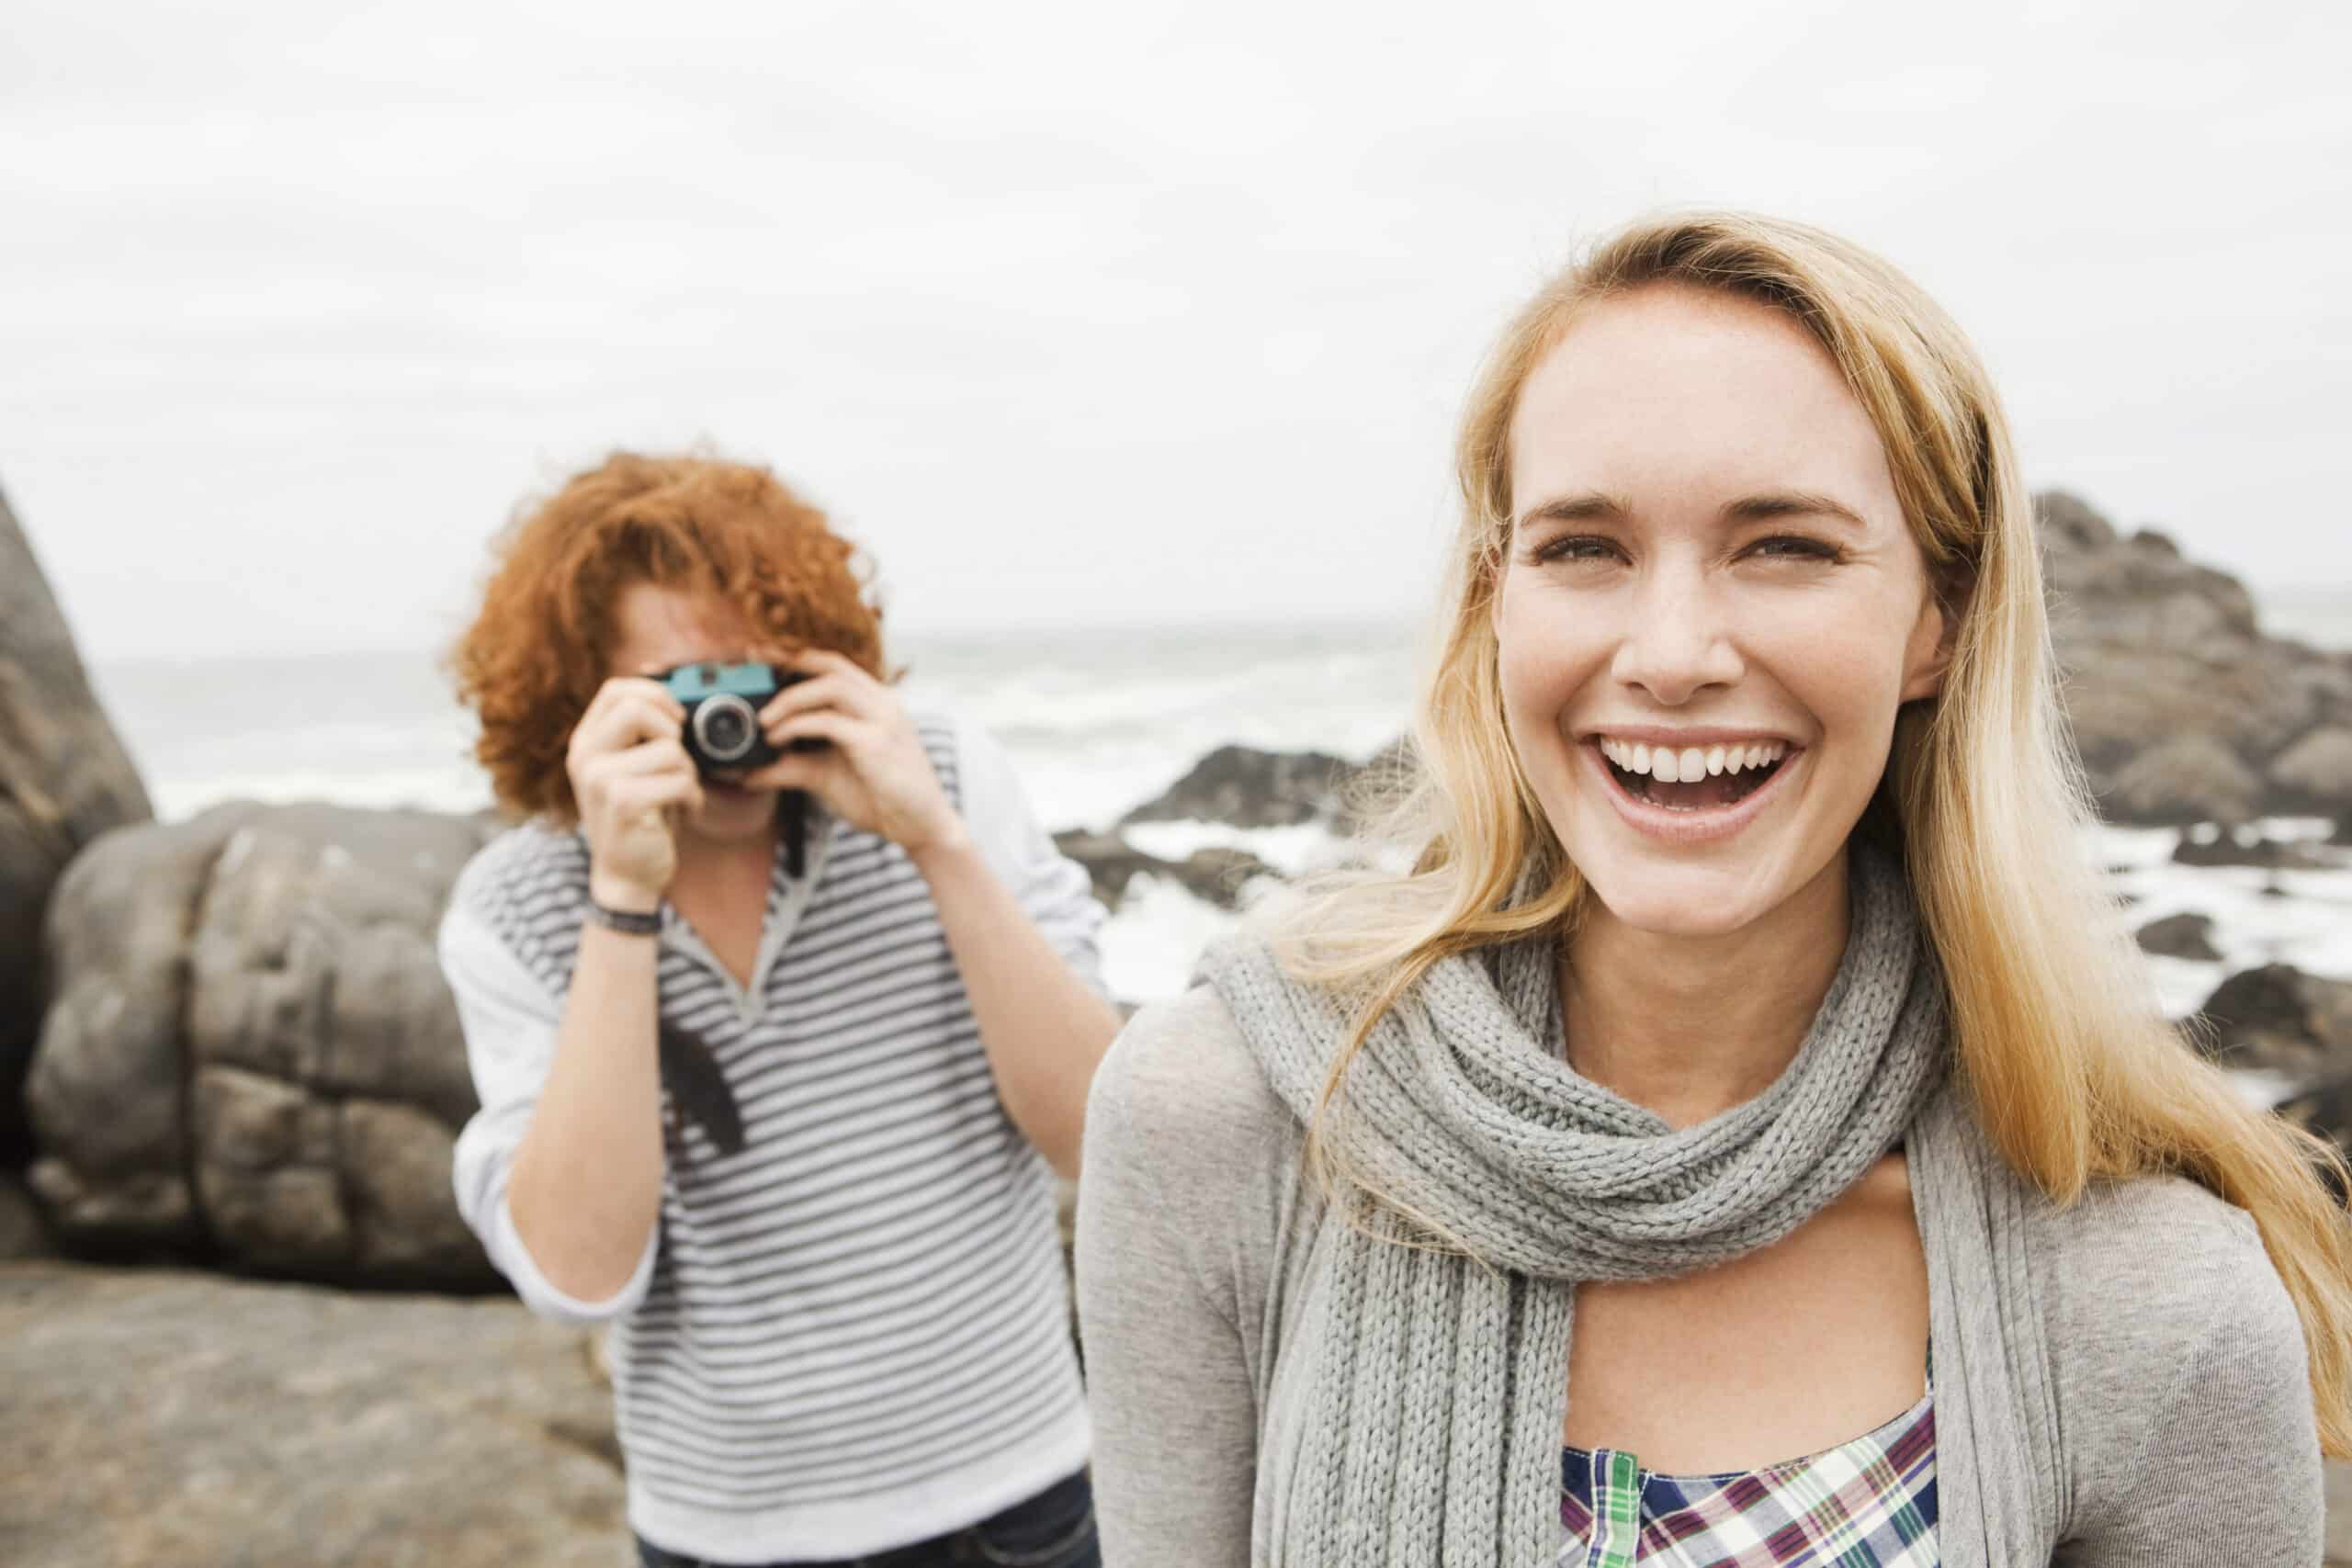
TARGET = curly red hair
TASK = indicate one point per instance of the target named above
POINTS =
(542, 643)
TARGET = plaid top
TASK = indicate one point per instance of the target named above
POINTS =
(1867, 1504)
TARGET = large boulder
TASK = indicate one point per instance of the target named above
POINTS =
(159, 1416)
(2190, 778)
(1248, 788)
(2278, 1019)
(2314, 774)
(64, 779)
(251, 1056)
(2155, 649)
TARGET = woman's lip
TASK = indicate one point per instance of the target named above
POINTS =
(1691, 827)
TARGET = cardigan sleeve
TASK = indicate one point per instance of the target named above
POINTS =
(1169, 1373)
(1052, 889)
(2189, 1399)
(510, 1022)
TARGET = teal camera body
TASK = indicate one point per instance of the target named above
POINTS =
(723, 702)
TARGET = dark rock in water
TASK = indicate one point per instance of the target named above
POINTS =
(2314, 774)
(2190, 778)
(22, 1234)
(1249, 788)
(1214, 874)
(2280, 1019)
(64, 779)
(251, 1056)
(158, 1417)
(2180, 936)
(2268, 855)
(2327, 1110)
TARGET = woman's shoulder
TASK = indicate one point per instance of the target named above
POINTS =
(2159, 1258)
(1181, 1076)
(2172, 1341)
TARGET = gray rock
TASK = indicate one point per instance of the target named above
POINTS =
(253, 1056)
(1215, 873)
(2190, 778)
(2315, 774)
(157, 1416)
(2325, 1109)
(22, 1234)
(2153, 647)
(1249, 788)
(2180, 936)
(2280, 1019)
(64, 779)
(2070, 525)
(2246, 847)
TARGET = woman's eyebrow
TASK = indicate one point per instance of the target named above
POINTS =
(1589, 506)
(1789, 503)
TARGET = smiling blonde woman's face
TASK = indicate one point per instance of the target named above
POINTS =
(1711, 610)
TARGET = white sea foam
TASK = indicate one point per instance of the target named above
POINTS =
(1151, 944)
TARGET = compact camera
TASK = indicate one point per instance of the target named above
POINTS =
(723, 704)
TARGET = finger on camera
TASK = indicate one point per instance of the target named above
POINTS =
(838, 730)
(624, 689)
(661, 753)
(847, 681)
(818, 693)
(600, 771)
(628, 720)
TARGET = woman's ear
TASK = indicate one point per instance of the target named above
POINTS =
(1933, 640)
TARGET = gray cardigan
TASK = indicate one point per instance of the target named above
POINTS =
(2183, 1406)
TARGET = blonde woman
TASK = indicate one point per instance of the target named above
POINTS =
(1744, 1136)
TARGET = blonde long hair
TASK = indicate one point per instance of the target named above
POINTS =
(2072, 1070)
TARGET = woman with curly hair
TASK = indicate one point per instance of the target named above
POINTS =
(1739, 1132)
(776, 1060)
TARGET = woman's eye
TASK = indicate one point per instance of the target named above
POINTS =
(1574, 547)
(1793, 547)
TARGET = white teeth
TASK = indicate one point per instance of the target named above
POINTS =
(1668, 765)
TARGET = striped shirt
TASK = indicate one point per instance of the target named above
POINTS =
(851, 1332)
(1870, 1503)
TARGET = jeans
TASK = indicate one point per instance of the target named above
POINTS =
(1052, 1529)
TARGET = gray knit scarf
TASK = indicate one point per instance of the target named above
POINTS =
(1433, 1430)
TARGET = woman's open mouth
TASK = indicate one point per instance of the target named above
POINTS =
(1692, 778)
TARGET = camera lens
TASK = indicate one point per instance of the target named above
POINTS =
(724, 727)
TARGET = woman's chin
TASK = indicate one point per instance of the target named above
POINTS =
(1695, 915)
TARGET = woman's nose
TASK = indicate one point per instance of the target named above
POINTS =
(1676, 643)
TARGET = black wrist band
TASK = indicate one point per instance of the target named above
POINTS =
(627, 921)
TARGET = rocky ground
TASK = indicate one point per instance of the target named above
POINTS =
(162, 1416)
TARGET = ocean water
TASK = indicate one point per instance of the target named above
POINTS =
(1098, 722)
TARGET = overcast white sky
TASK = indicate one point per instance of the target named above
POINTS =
(1092, 312)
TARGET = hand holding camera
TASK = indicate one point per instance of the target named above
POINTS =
(845, 738)
(633, 779)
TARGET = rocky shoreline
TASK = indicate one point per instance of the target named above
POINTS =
(225, 1047)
